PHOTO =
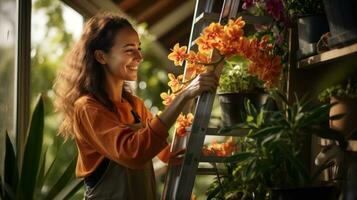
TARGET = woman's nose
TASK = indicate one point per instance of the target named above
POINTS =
(138, 56)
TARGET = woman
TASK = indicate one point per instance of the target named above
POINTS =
(116, 136)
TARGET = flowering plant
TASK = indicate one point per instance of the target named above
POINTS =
(226, 148)
(277, 29)
(227, 41)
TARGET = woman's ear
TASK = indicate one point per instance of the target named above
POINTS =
(99, 55)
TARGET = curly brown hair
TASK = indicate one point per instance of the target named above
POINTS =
(82, 74)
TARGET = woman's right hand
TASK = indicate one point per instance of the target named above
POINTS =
(207, 81)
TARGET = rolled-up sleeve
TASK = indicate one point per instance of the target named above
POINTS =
(117, 141)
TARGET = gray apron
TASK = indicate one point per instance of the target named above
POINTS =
(121, 183)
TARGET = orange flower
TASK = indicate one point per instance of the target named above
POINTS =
(234, 29)
(220, 149)
(214, 32)
(192, 70)
(239, 22)
(204, 45)
(182, 123)
(167, 97)
(264, 44)
(178, 54)
(175, 83)
(199, 57)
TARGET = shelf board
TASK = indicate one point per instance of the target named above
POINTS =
(328, 56)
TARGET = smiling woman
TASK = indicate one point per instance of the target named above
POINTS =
(116, 135)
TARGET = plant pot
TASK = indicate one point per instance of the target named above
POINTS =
(348, 122)
(232, 106)
(342, 21)
(310, 30)
(318, 192)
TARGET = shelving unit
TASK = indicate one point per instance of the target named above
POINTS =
(328, 56)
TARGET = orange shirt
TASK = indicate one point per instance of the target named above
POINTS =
(101, 133)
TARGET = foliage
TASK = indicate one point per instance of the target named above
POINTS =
(303, 7)
(271, 153)
(28, 180)
(235, 77)
(343, 90)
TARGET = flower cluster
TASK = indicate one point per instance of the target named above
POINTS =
(182, 123)
(227, 41)
(226, 148)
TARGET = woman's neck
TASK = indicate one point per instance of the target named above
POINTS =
(114, 89)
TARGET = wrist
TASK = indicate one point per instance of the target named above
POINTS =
(184, 96)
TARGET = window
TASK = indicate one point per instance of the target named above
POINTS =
(8, 56)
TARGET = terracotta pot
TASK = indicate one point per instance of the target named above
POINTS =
(349, 122)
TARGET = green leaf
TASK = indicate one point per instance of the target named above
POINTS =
(70, 190)
(316, 115)
(63, 180)
(280, 96)
(41, 175)
(266, 131)
(295, 161)
(238, 157)
(11, 173)
(230, 128)
(33, 148)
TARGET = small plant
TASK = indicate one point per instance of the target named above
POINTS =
(270, 154)
(347, 90)
(303, 7)
(236, 79)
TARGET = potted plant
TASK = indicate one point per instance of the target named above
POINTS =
(235, 85)
(311, 24)
(271, 163)
(344, 95)
(29, 179)
(308, 14)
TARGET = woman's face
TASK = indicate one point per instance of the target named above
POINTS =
(124, 57)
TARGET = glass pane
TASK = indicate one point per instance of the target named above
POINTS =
(8, 30)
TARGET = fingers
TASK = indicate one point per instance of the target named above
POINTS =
(177, 153)
(209, 74)
(176, 158)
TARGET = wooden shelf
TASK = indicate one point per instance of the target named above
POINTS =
(328, 56)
